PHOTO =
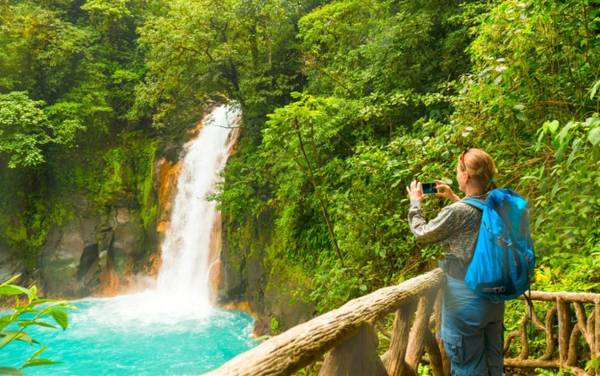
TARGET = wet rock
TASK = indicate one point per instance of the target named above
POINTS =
(9, 265)
(244, 278)
(76, 253)
(62, 254)
(89, 257)
(128, 234)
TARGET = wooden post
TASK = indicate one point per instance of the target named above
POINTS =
(414, 350)
(303, 344)
(564, 329)
(584, 324)
(435, 356)
(549, 338)
(436, 323)
(597, 328)
(394, 357)
(572, 353)
(355, 356)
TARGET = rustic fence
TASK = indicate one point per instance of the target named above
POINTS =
(570, 332)
(347, 337)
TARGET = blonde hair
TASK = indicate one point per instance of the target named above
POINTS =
(480, 167)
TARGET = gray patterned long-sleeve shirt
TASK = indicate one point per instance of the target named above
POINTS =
(456, 227)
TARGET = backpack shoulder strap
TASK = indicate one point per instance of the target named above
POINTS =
(475, 203)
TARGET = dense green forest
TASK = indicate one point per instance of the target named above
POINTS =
(344, 103)
(68, 73)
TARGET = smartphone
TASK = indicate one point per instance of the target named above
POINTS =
(429, 188)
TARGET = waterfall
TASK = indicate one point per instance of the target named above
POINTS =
(184, 274)
(182, 289)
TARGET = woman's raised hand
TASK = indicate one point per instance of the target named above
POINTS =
(415, 191)
(445, 191)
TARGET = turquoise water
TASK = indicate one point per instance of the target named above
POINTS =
(101, 340)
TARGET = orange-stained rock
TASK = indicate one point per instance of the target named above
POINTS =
(162, 227)
(193, 132)
(214, 256)
(109, 282)
(154, 265)
(240, 306)
(168, 174)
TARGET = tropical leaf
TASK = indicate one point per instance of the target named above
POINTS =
(14, 290)
(61, 318)
(594, 135)
(44, 324)
(9, 336)
(39, 362)
(10, 280)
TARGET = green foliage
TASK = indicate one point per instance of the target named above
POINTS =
(344, 103)
(529, 104)
(32, 311)
(333, 163)
(26, 129)
(593, 364)
(568, 204)
(144, 180)
(274, 325)
(23, 129)
(68, 72)
(390, 96)
(204, 51)
(39, 50)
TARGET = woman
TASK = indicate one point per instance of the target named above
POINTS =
(471, 326)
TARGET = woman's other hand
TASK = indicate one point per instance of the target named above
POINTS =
(445, 191)
(415, 191)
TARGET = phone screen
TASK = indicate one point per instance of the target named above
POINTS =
(429, 188)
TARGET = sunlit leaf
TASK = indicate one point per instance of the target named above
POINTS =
(594, 89)
(39, 362)
(61, 318)
(594, 136)
(14, 290)
(10, 280)
(44, 324)
(8, 336)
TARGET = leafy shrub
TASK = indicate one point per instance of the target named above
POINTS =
(32, 311)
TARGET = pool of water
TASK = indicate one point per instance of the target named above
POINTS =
(105, 337)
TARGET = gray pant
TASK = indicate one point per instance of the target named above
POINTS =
(472, 331)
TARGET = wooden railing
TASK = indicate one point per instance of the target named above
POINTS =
(347, 336)
(568, 336)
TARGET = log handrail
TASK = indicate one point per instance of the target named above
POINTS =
(304, 343)
(348, 335)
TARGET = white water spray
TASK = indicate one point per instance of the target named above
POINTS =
(182, 290)
(184, 274)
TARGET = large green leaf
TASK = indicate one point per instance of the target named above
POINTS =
(9, 336)
(61, 318)
(14, 290)
(594, 89)
(594, 136)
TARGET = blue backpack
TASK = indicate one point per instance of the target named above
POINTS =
(503, 259)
